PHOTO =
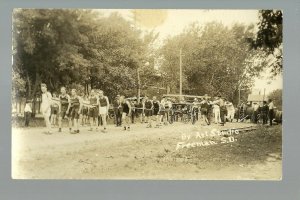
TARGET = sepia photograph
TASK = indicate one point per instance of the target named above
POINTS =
(147, 94)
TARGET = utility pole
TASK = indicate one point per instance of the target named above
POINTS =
(239, 96)
(139, 85)
(180, 72)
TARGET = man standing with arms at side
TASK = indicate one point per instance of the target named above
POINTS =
(27, 112)
(64, 108)
(94, 110)
(46, 106)
(264, 112)
(271, 111)
(117, 111)
(76, 106)
(221, 103)
(103, 108)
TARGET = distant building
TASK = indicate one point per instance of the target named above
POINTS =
(256, 98)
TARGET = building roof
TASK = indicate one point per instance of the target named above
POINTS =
(257, 97)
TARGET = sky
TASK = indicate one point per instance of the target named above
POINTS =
(172, 22)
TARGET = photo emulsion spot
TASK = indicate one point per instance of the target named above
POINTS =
(160, 94)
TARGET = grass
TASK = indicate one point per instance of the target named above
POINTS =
(251, 147)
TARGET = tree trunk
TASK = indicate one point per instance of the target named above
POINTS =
(29, 89)
(34, 90)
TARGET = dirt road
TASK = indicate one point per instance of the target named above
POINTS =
(178, 151)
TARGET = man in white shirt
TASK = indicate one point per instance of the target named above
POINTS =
(46, 106)
(27, 112)
(230, 110)
(216, 111)
(271, 111)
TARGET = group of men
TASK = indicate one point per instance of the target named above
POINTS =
(265, 112)
(94, 110)
(147, 110)
(71, 106)
(155, 112)
(219, 108)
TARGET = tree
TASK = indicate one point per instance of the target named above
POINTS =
(269, 38)
(47, 44)
(71, 47)
(216, 59)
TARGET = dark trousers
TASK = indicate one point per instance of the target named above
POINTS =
(27, 118)
(133, 115)
(271, 116)
(118, 117)
(222, 114)
(264, 117)
(254, 117)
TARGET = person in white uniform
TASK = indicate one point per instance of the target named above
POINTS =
(230, 110)
(46, 106)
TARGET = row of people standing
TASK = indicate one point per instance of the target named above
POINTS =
(152, 110)
(264, 112)
(72, 107)
(148, 110)
(218, 108)
(96, 106)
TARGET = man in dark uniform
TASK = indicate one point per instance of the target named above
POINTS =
(64, 108)
(139, 110)
(103, 109)
(148, 108)
(117, 110)
(133, 111)
(94, 110)
(156, 111)
(126, 113)
(76, 106)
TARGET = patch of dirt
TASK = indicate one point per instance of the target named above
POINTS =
(144, 153)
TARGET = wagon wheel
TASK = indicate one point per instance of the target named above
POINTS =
(111, 115)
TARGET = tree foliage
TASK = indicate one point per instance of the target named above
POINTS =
(216, 59)
(269, 38)
(67, 47)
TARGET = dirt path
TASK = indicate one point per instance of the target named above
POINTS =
(139, 154)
